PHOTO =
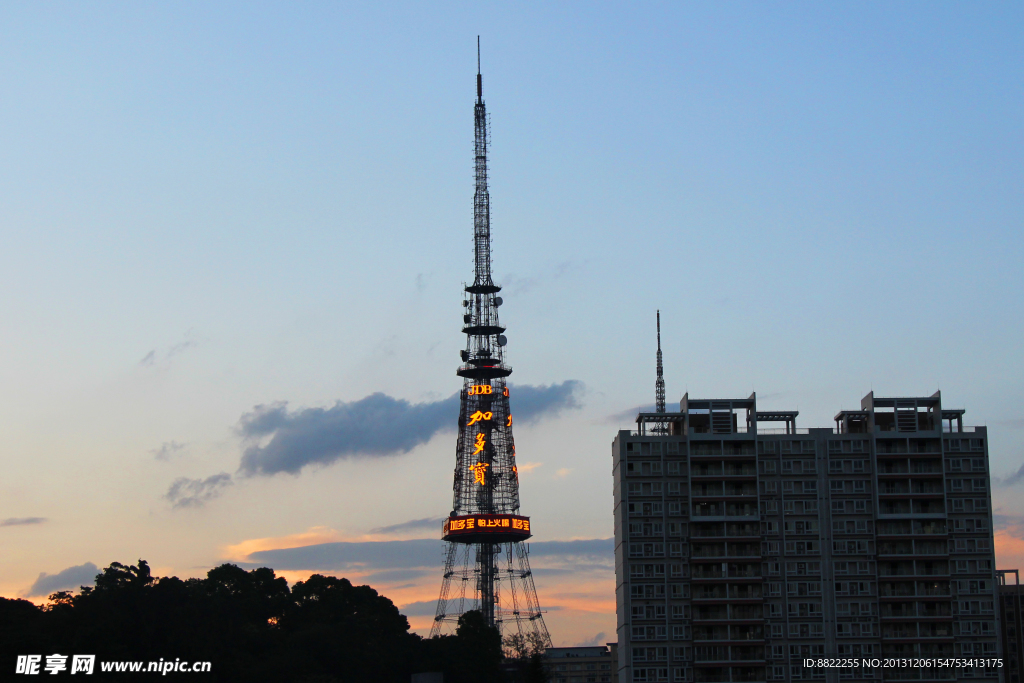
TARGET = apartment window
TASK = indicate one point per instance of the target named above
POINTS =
(769, 467)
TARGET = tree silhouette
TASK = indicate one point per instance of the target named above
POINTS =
(249, 624)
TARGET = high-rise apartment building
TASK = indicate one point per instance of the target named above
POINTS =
(742, 551)
(1011, 629)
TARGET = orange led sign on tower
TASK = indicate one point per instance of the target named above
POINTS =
(478, 416)
(479, 470)
(480, 443)
(487, 528)
(480, 389)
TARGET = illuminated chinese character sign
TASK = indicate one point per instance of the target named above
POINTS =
(479, 471)
(487, 528)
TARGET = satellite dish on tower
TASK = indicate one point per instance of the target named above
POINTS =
(502, 340)
(498, 301)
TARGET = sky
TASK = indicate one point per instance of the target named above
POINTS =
(235, 236)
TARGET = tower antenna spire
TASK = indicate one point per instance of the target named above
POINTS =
(479, 78)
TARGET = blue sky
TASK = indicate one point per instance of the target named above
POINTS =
(208, 208)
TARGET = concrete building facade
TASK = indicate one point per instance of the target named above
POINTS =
(595, 664)
(741, 551)
(1011, 627)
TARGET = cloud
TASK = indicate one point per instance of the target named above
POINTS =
(22, 521)
(433, 523)
(423, 608)
(72, 577)
(345, 555)
(377, 425)
(1010, 480)
(603, 548)
(167, 450)
(180, 347)
(186, 493)
(1011, 525)
(411, 554)
(389, 576)
(521, 285)
(563, 472)
(598, 639)
(1014, 424)
(630, 414)
(150, 359)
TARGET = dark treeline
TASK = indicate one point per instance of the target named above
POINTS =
(250, 625)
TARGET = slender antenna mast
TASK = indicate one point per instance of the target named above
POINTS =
(659, 385)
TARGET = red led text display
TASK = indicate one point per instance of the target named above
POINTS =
(484, 528)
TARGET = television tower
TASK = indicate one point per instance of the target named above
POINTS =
(487, 565)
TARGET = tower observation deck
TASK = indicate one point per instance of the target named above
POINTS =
(487, 566)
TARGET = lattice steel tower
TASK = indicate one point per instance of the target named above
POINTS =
(487, 565)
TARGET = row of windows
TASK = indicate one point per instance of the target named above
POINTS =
(862, 567)
(791, 547)
(657, 528)
(850, 507)
(810, 507)
(853, 526)
(659, 612)
(793, 507)
(802, 446)
(790, 487)
(969, 545)
(854, 466)
(963, 505)
(975, 607)
(785, 446)
(965, 465)
(657, 549)
(957, 485)
(965, 444)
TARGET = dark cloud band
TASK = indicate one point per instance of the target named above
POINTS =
(72, 577)
(22, 521)
(423, 552)
(377, 425)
